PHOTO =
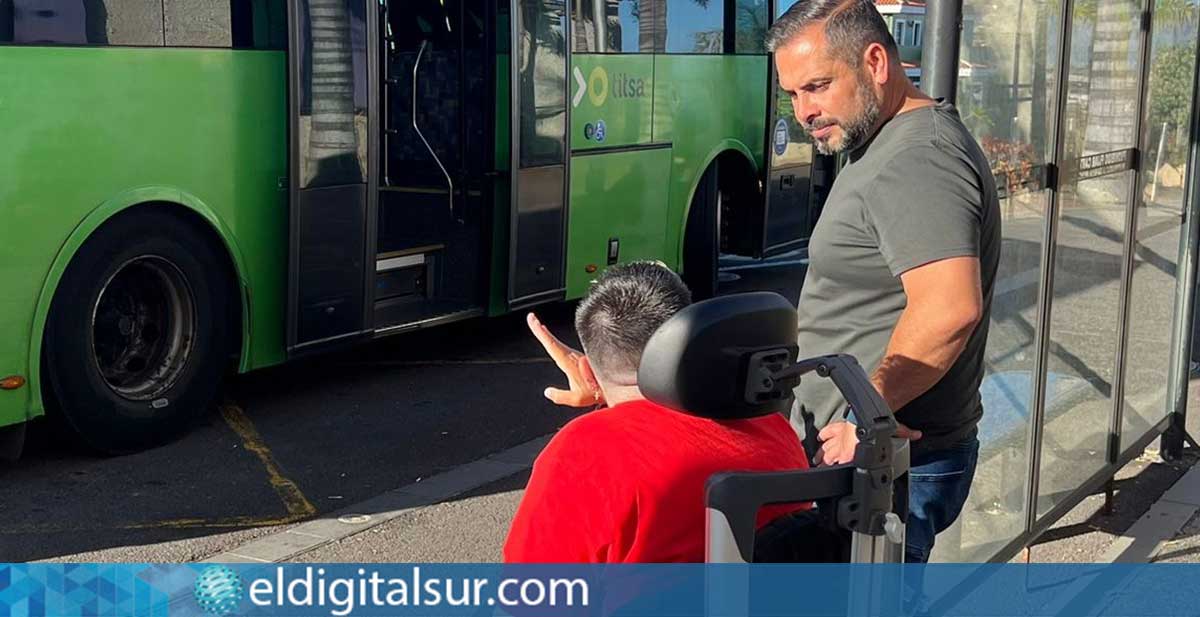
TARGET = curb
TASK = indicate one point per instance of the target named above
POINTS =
(1144, 540)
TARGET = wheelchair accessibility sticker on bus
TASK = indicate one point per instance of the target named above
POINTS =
(595, 131)
(781, 137)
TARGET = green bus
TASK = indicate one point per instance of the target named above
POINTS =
(190, 186)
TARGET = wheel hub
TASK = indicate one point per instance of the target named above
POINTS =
(143, 328)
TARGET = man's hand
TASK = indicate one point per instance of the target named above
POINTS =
(838, 440)
(580, 392)
(903, 432)
(837, 443)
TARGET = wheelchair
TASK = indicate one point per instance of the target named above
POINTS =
(735, 357)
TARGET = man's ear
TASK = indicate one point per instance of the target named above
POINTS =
(877, 63)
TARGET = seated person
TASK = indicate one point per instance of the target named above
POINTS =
(626, 483)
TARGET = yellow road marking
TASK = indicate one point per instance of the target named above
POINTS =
(295, 501)
(298, 507)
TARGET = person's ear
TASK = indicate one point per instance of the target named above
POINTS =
(877, 63)
(590, 380)
(587, 374)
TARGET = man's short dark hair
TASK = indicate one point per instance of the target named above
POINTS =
(850, 26)
(622, 310)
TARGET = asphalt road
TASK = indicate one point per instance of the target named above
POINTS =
(288, 443)
(292, 442)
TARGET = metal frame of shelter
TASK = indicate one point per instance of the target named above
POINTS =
(941, 64)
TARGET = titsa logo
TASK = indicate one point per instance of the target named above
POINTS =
(598, 86)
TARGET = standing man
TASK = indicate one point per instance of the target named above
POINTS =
(903, 259)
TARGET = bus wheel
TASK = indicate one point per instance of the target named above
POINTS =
(138, 337)
(700, 238)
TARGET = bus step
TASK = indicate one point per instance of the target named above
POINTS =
(403, 275)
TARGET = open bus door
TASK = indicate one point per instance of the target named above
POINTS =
(390, 130)
(434, 188)
(537, 232)
(331, 206)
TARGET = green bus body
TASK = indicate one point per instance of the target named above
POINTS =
(92, 131)
(643, 196)
(89, 132)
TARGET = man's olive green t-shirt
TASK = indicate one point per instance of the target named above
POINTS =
(920, 191)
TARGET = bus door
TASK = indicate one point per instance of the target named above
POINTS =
(330, 240)
(436, 72)
(537, 232)
(790, 203)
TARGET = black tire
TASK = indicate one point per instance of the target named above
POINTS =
(138, 337)
(700, 238)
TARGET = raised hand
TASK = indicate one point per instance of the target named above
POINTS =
(581, 392)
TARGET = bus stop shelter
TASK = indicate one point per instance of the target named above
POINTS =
(1086, 110)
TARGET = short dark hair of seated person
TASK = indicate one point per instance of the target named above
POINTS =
(626, 483)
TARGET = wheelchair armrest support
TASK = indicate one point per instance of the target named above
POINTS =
(738, 496)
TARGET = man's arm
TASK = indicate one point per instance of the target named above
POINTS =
(926, 210)
(945, 304)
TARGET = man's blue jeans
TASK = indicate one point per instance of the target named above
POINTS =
(938, 484)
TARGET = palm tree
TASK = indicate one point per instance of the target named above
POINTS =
(654, 29)
(1111, 88)
(1084, 12)
(540, 28)
(333, 136)
(1112, 81)
(752, 25)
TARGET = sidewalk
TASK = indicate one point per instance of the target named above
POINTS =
(463, 514)
(1155, 514)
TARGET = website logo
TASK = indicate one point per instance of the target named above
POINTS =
(218, 590)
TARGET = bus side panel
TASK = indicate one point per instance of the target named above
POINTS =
(704, 104)
(618, 196)
(91, 124)
(617, 190)
(614, 105)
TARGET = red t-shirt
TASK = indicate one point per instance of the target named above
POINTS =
(626, 484)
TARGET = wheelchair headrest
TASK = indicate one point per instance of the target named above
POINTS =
(697, 361)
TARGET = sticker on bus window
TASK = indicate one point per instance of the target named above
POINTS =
(781, 137)
(589, 131)
(600, 130)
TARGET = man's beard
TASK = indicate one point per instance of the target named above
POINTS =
(857, 129)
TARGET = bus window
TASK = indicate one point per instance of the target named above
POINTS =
(541, 70)
(793, 203)
(253, 24)
(782, 7)
(750, 27)
(694, 28)
(81, 22)
(624, 28)
(197, 23)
